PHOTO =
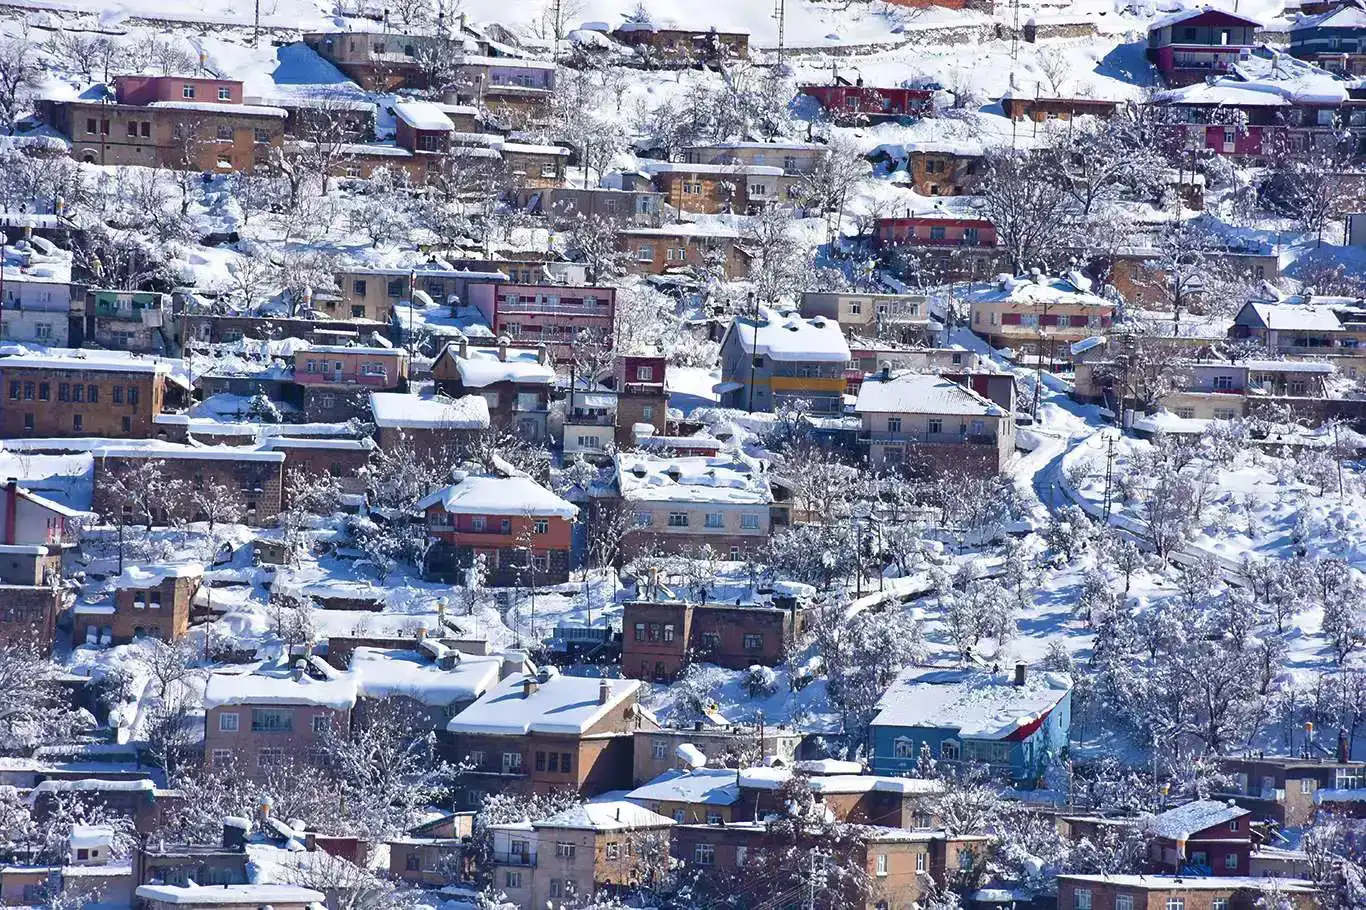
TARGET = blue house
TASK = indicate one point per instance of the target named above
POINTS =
(1335, 40)
(1014, 723)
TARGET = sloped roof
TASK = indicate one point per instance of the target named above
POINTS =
(976, 703)
(1194, 817)
(921, 393)
(607, 815)
(557, 704)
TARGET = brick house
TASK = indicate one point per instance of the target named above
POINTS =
(564, 205)
(842, 792)
(658, 751)
(522, 530)
(683, 249)
(712, 189)
(929, 230)
(767, 860)
(944, 169)
(1203, 837)
(546, 731)
(35, 532)
(332, 456)
(428, 422)
(1287, 790)
(64, 393)
(227, 897)
(514, 381)
(510, 88)
(254, 475)
(641, 395)
(660, 638)
(337, 381)
(178, 122)
(676, 503)
(679, 48)
(254, 723)
(553, 315)
(1194, 43)
(422, 128)
(921, 421)
(571, 855)
(148, 602)
(379, 61)
(1189, 892)
(857, 103)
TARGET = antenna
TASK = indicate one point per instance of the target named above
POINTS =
(780, 14)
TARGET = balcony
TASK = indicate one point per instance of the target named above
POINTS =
(937, 439)
(345, 377)
(601, 309)
(526, 860)
(590, 420)
(643, 388)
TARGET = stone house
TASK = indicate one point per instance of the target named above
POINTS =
(684, 250)
(148, 601)
(63, 393)
(428, 422)
(1188, 892)
(660, 638)
(679, 48)
(255, 476)
(337, 381)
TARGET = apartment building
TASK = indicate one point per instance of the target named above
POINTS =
(661, 637)
(519, 531)
(905, 317)
(776, 358)
(511, 88)
(514, 381)
(372, 294)
(676, 503)
(337, 381)
(1288, 790)
(63, 393)
(1190, 892)
(1039, 318)
(572, 855)
(258, 724)
(557, 316)
(927, 423)
(179, 122)
(544, 731)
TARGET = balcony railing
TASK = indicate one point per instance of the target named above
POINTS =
(600, 308)
(972, 439)
(514, 859)
(601, 420)
(332, 377)
(643, 388)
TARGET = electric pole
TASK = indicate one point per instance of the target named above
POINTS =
(1109, 474)
(780, 14)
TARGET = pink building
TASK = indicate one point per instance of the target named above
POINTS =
(368, 367)
(256, 723)
(143, 90)
(931, 230)
(553, 315)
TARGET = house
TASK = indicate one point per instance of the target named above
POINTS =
(1042, 109)
(135, 321)
(521, 530)
(590, 419)
(1189, 45)
(422, 128)
(339, 457)
(560, 317)
(945, 168)
(227, 897)
(337, 380)
(577, 853)
(507, 87)
(682, 249)
(140, 800)
(776, 358)
(514, 381)
(428, 422)
(254, 477)
(543, 731)
(675, 503)
(1166, 892)
(63, 392)
(148, 602)
(1203, 837)
(1221, 390)
(382, 61)
(842, 792)
(642, 398)
(930, 230)
(430, 859)
(792, 157)
(1334, 40)
(853, 104)
(905, 317)
(1284, 329)
(532, 165)
(1288, 790)
(662, 637)
(924, 422)
(178, 122)
(659, 751)
(35, 532)
(1017, 725)
(430, 684)
(711, 189)
(672, 47)
(696, 795)
(256, 723)
(373, 293)
(1039, 317)
(1255, 117)
(771, 860)
(169, 863)
(37, 302)
(565, 205)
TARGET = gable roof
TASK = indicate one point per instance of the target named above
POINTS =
(976, 703)
(486, 494)
(702, 786)
(1187, 15)
(921, 393)
(607, 815)
(1292, 317)
(557, 704)
(1194, 817)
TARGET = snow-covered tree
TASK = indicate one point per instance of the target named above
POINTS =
(1027, 201)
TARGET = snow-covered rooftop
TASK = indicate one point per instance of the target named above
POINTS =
(1194, 817)
(484, 366)
(707, 786)
(787, 336)
(429, 411)
(1290, 317)
(605, 815)
(248, 895)
(556, 704)
(1034, 291)
(976, 703)
(424, 115)
(388, 672)
(763, 778)
(209, 107)
(485, 494)
(141, 577)
(642, 477)
(260, 689)
(921, 393)
(1177, 884)
(80, 359)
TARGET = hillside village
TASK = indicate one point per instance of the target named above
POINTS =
(881, 454)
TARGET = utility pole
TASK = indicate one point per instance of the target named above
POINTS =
(780, 13)
(1109, 474)
(817, 877)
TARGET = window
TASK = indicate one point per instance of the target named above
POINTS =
(126, 424)
(1306, 785)
(893, 424)
(271, 720)
(645, 374)
(512, 761)
(1081, 899)
(881, 864)
(704, 855)
(187, 91)
(659, 749)
(749, 521)
(1223, 383)
(647, 412)
(1231, 861)
(92, 393)
(77, 392)
(221, 757)
(227, 723)
(1126, 902)
(118, 394)
(1233, 825)
(754, 641)
(28, 391)
(145, 129)
(512, 879)
(949, 750)
(965, 859)
(268, 757)
(90, 125)
(1218, 903)
(412, 862)
(478, 523)
(922, 862)
(224, 93)
(476, 758)
(1176, 903)
(613, 851)
(668, 631)
(261, 136)
(541, 526)
(645, 253)
(540, 761)
(224, 133)
(321, 723)
(714, 520)
(77, 422)
(678, 519)
(935, 425)
(565, 851)
(132, 129)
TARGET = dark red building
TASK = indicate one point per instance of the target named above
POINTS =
(861, 103)
(659, 639)
(1195, 43)
(934, 230)
(1207, 836)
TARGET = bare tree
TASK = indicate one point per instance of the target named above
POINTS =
(20, 77)
(1026, 201)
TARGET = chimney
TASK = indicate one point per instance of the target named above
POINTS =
(464, 347)
(529, 686)
(503, 348)
(1344, 748)
(1019, 673)
(298, 671)
(235, 833)
(541, 354)
(604, 691)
